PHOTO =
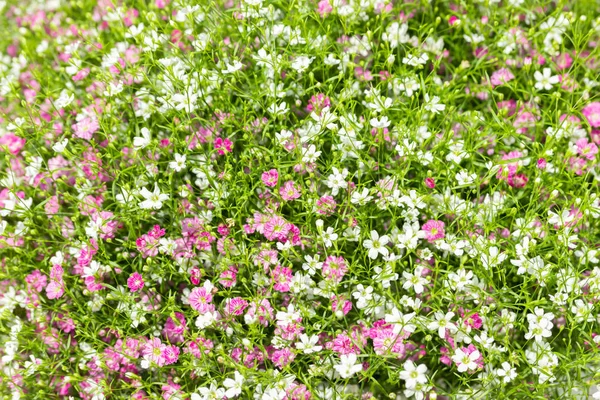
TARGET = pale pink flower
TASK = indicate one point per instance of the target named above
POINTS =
(434, 230)
(592, 113)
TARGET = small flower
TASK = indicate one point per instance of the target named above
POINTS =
(413, 374)
(153, 199)
(141, 142)
(507, 373)
(135, 282)
(233, 386)
(348, 366)
(466, 360)
(179, 163)
(308, 345)
(376, 245)
(545, 80)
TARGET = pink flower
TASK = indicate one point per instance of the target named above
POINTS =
(200, 299)
(36, 280)
(334, 268)
(153, 351)
(592, 113)
(55, 289)
(289, 191)
(135, 282)
(236, 306)
(430, 183)
(276, 228)
(223, 145)
(195, 275)
(586, 149)
(282, 278)
(324, 8)
(434, 230)
(12, 142)
(326, 205)
(85, 128)
(501, 77)
(282, 357)
(269, 178)
(170, 354)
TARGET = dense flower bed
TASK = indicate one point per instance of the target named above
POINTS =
(334, 199)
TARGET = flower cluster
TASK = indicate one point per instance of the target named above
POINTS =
(295, 200)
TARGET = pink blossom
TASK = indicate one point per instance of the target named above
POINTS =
(12, 142)
(501, 77)
(85, 128)
(36, 280)
(200, 299)
(153, 351)
(270, 177)
(592, 113)
(223, 145)
(586, 149)
(282, 278)
(282, 357)
(236, 306)
(289, 191)
(434, 230)
(276, 229)
(135, 282)
(334, 268)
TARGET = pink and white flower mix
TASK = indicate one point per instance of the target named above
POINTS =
(294, 200)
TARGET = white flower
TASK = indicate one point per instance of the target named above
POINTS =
(60, 146)
(143, 141)
(348, 366)
(507, 372)
(464, 178)
(209, 393)
(308, 344)
(396, 34)
(310, 154)
(465, 361)
(415, 280)
(337, 180)
(301, 63)
(179, 162)
(232, 68)
(233, 386)
(433, 104)
(441, 323)
(582, 311)
(400, 321)
(545, 80)
(329, 236)
(361, 198)
(380, 123)
(376, 245)
(413, 374)
(153, 199)
(362, 295)
(493, 258)
(64, 100)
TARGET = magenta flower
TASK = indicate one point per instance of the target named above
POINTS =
(223, 146)
(135, 282)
